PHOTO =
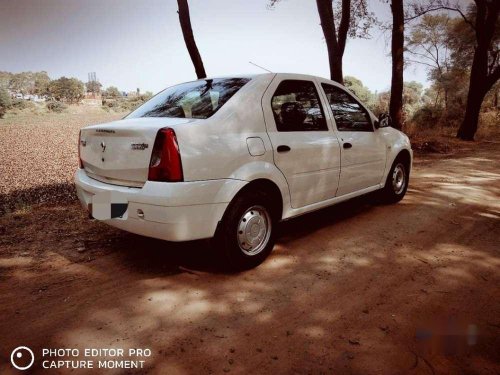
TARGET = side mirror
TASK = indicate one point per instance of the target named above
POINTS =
(384, 121)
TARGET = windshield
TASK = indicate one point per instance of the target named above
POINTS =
(198, 99)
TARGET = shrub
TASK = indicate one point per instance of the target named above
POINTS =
(21, 104)
(427, 116)
(124, 104)
(5, 102)
(54, 106)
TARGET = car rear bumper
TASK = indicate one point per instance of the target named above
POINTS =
(180, 211)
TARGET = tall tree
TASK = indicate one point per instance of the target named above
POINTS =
(93, 87)
(67, 89)
(341, 19)
(187, 32)
(485, 69)
(428, 44)
(483, 19)
(397, 50)
(335, 42)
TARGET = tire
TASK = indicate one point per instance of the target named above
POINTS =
(246, 234)
(396, 183)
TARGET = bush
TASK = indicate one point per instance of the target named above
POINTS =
(5, 102)
(124, 104)
(54, 106)
(21, 104)
(427, 116)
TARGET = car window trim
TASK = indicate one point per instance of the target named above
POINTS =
(326, 129)
(365, 110)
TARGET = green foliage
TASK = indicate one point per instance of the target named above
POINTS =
(21, 82)
(26, 82)
(54, 106)
(93, 87)
(112, 92)
(21, 104)
(362, 92)
(5, 79)
(66, 89)
(5, 101)
(427, 116)
(126, 104)
(412, 97)
(446, 46)
(41, 83)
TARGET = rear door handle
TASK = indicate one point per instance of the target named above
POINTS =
(283, 148)
(347, 145)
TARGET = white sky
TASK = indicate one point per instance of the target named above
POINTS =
(132, 44)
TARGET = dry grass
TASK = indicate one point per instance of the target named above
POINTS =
(442, 139)
(39, 154)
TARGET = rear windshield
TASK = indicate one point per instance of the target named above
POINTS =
(198, 99)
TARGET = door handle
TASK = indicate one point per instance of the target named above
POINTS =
(283, 148)
(347, 145)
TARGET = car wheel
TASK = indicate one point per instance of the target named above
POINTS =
(245, 236)
(396, 183)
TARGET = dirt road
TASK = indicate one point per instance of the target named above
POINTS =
(358, 288)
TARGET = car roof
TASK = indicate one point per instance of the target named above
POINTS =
(290, 75)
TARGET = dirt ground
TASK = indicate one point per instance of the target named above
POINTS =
(358, 288)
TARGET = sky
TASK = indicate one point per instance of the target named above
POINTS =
(138, 44)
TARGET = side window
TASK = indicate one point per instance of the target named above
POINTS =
(349, 114)
(296, 107)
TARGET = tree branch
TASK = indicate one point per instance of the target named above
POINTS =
(420, 62)
(493, 78)
(345, 22)
(441, 7)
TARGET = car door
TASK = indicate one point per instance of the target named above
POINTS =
(364, 150)
(305, 148)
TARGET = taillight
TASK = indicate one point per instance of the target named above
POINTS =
(80, 163)
(165, 164)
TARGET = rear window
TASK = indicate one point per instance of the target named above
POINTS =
(198, 99)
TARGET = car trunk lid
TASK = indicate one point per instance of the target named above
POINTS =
(120, 152)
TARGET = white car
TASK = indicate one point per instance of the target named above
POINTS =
(228, 158)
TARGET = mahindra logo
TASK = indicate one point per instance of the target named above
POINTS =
(103, 146)
(139, 146)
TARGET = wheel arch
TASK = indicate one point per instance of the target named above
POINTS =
(268, 187)
(405, 156)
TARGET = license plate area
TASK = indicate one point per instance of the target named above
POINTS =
(108, 205)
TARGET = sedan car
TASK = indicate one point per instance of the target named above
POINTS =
(228, 158)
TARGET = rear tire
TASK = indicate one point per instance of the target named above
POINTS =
(396, 183)
(245, 236)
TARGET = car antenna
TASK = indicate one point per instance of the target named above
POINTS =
(258, 66)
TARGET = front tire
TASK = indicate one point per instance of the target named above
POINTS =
(245, 236)
(396, 183)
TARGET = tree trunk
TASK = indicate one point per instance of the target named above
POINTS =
(480, 80)
(446, 101)
(335, 51)
(468, 127)
(187, 32)
(397, 47)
